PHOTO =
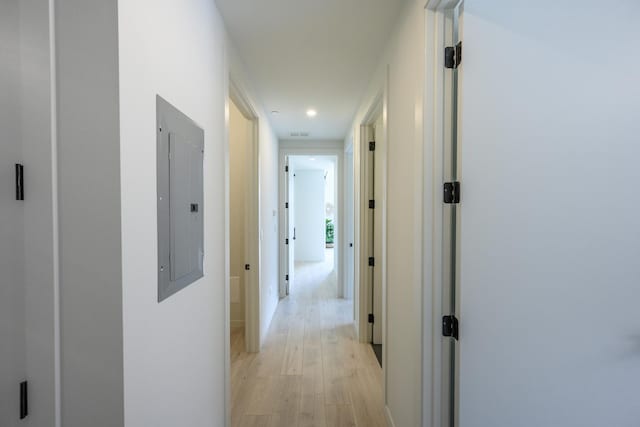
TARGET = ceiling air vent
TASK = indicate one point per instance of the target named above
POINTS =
(295, 134)
(304, 133)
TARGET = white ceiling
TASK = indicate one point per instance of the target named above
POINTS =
(305, 54)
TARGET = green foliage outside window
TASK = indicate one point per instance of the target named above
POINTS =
(329, 231)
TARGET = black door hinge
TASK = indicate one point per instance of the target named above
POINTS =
(371, 318)
(286, 168)
(247, 267)
(286, 277)
(372, 204)
(452, 192)
(286, 241)
(450, 326)
(372, 146)
(372, 261)
(453, 56)
(24, 400)
(19, 182)
(286, 205)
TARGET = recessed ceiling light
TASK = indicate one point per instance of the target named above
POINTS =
(312, 158)
(312, 113)
(275, 112)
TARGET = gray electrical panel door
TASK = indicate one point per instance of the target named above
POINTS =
(180, 200)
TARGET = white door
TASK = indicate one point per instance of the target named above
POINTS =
(12, 224)
(550, 230)
(290, 224)
(12, 287)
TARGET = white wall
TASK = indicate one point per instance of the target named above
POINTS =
(240, 130)
(309, 186)
(550, 325)
(268, 223)
(403, 60)
(12, 296)
(174, 350)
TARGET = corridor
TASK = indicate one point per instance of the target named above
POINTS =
(478, 161)
(311, 370)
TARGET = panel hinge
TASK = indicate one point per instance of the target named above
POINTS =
(286, 241)
(371, 318)
(372, 261)
(450, 326)
(286, 168)
(24, 400)
(452, 192)
(19, 182)
(372, 204)
(286, 205)
(372, 146)
(453, 56)
(247, 267)
(286, 277)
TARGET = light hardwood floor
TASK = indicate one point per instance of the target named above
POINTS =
(311, 370)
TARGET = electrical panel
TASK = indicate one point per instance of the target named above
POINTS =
(180, 161)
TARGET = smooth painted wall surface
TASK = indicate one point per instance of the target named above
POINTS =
(239, 136)
(89, 205)
(268, 223)
(404, 145)
(309, 188)
(550, 232)
(173, 351)
(12, 294)
(402, 69)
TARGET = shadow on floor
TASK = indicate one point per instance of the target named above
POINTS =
(377, 349)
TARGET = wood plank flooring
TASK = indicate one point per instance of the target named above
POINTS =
(311, 371)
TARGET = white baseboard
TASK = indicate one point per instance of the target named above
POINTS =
(237, 323)
(387, 413)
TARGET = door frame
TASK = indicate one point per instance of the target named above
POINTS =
(307, 148)
(285, 275)
(362, 219)
(435, 245)
(378, 106)
(349, 223)
(251, 220)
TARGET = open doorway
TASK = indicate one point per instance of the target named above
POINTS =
(239, 138)
(298, 161)
(312, 220)
(372, 229)
(244, 248)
